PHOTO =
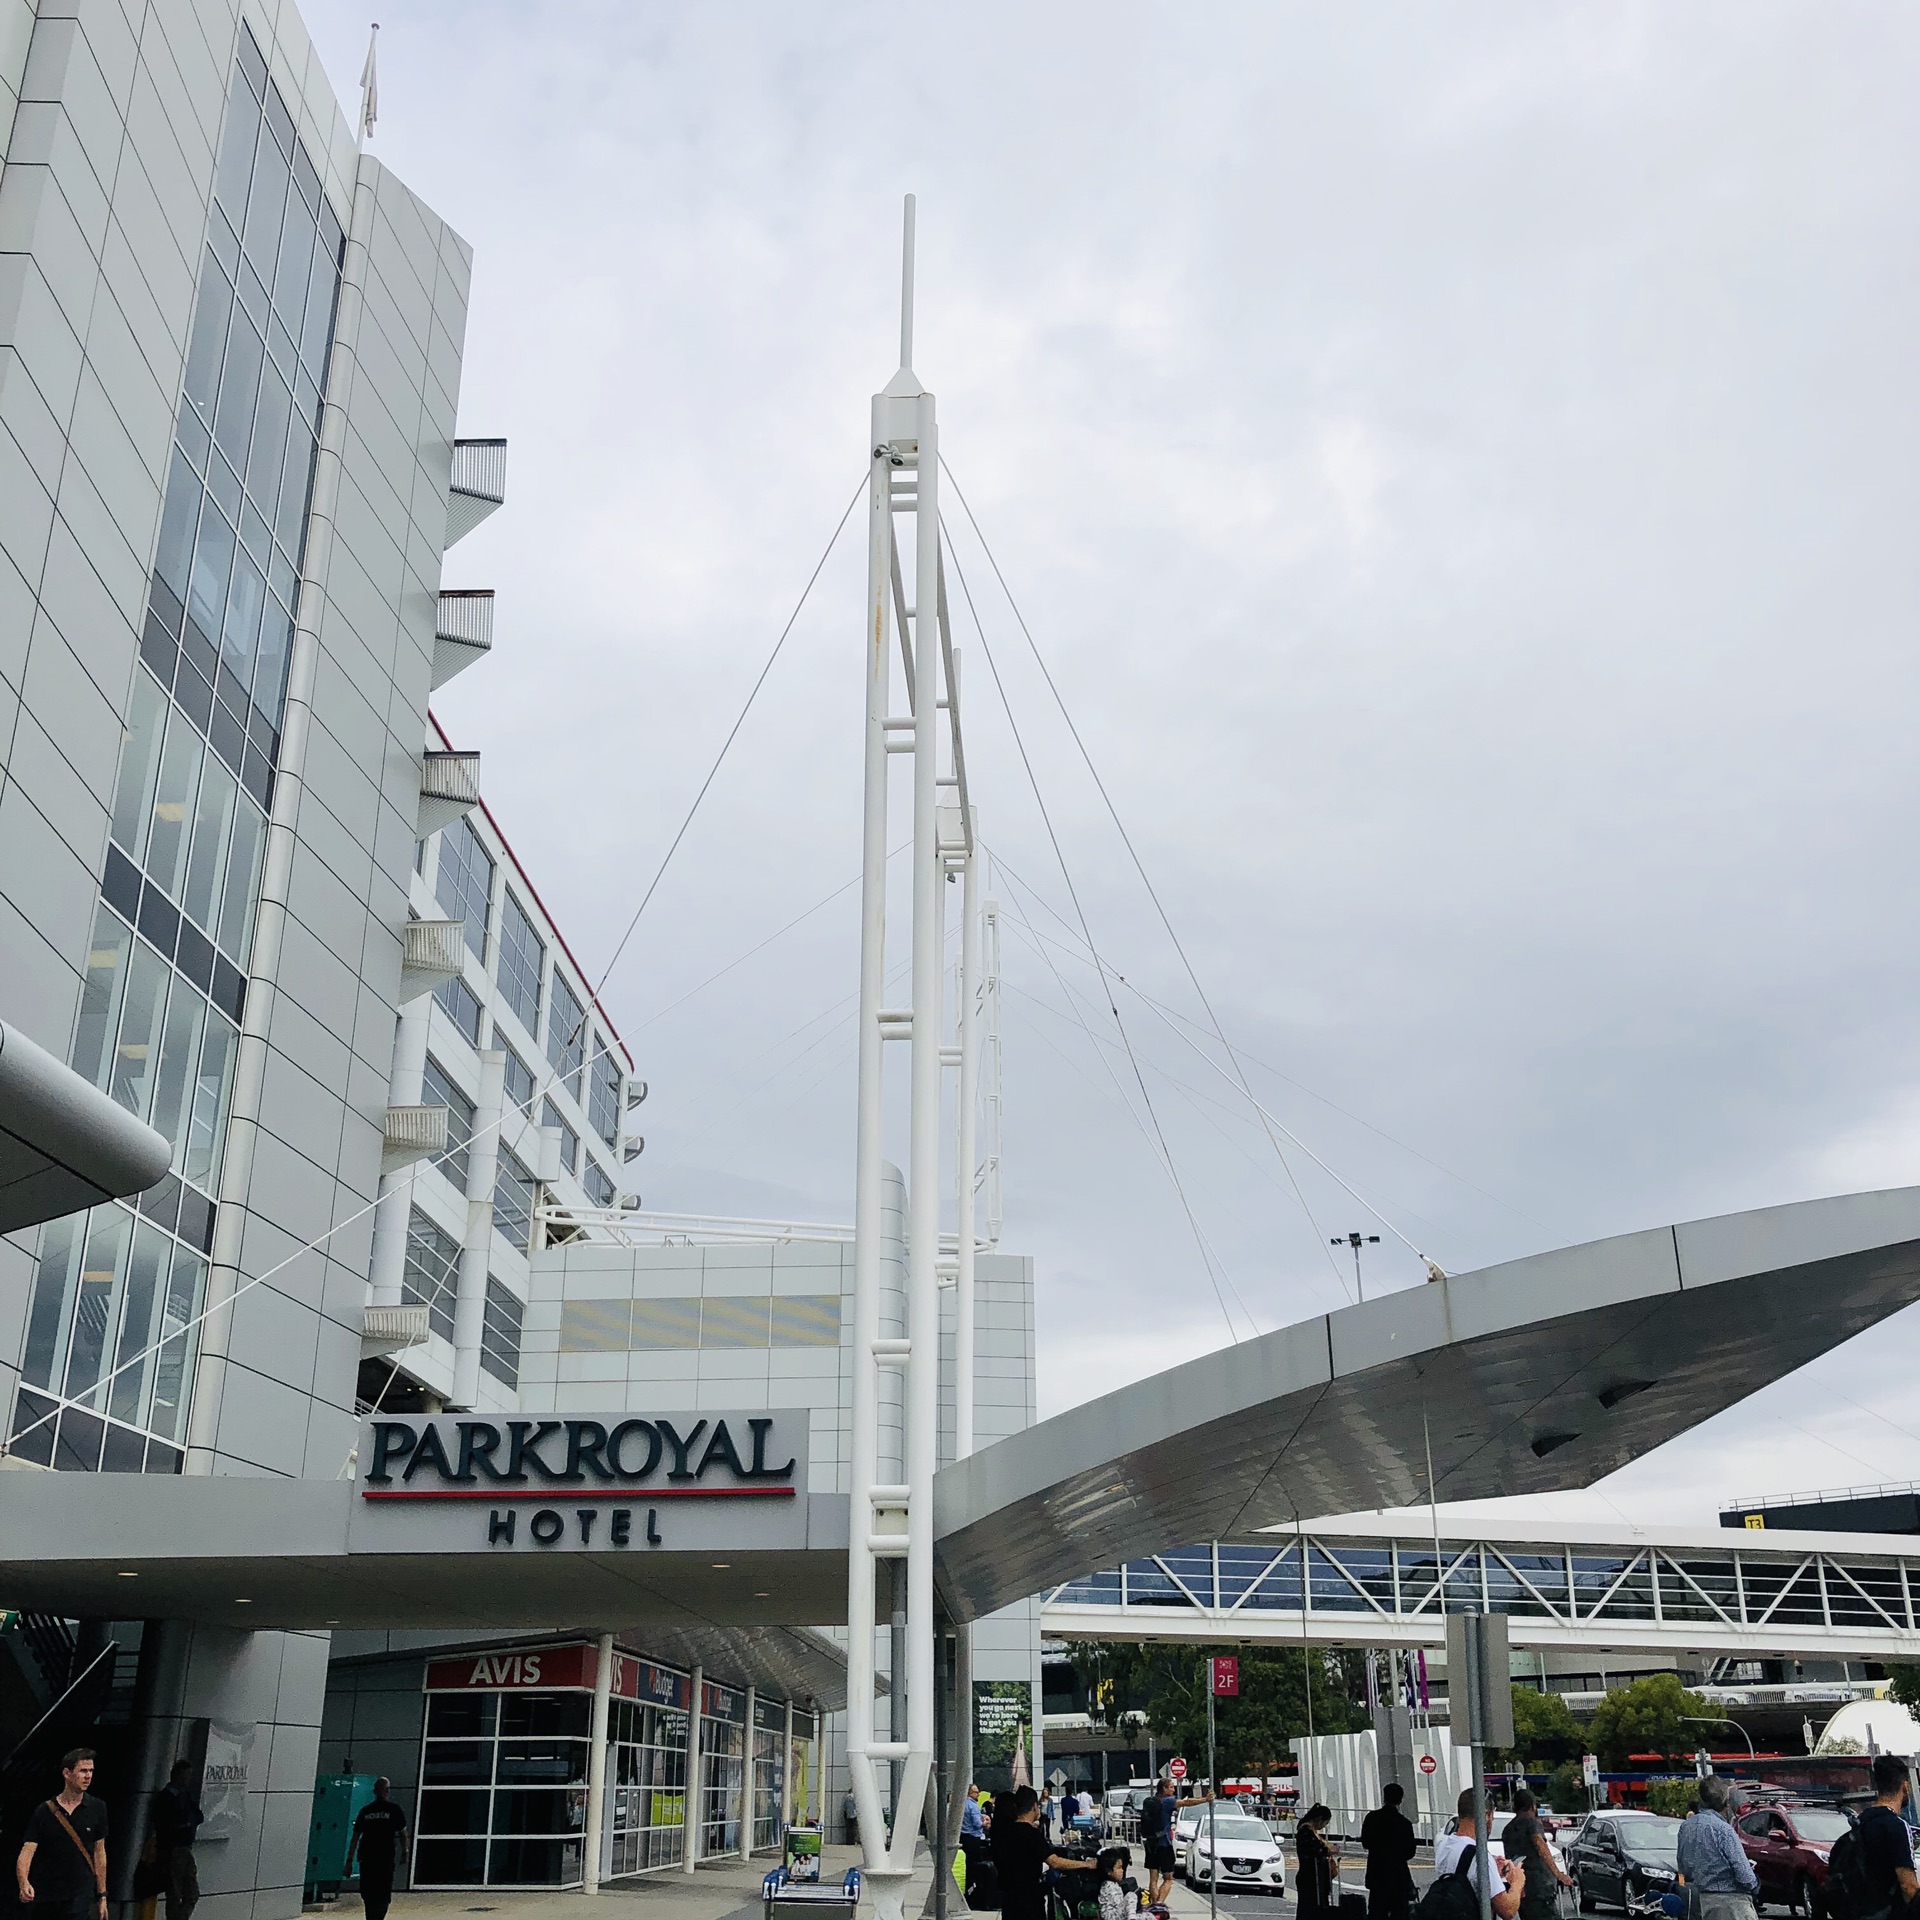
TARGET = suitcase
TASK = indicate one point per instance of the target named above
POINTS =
(983, 1886)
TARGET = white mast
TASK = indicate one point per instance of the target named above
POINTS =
(893, 1521)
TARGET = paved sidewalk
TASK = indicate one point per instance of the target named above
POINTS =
(719, 1891)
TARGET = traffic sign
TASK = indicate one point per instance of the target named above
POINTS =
(1057, 1780)
(1589, 1770)
(1226, 1676)
(1176, 1768)
(1428, 1764)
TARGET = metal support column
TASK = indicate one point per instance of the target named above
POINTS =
(597, 1768)
(690, 1822)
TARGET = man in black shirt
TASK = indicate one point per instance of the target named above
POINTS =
(1525, 1840)
(176, 1819)
(1387, 1834)
(1886, 1847)
(62, 1868)
(378, 1835)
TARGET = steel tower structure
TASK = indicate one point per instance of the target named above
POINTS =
(912, 710)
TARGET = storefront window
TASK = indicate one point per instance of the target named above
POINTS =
(648, 1771)
(722, 1771)
(503, 1797)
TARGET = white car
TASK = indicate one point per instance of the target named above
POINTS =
(1249, 1857)
(1183, 1824)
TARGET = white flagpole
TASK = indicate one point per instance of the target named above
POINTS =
(369, 88)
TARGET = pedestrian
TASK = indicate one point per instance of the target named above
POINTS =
(1022, 1856)
(1069, 1809)
(1712, 1861)
(1388, 1837)
(62, 1868)
(850, 1813)
(176, 1819)
(1318, 1871)
(1115, 1902)
(379, 1834)
(1157, 1814)
(1049, 1813)
(1886, 1842)
(1525, 1840)
(1458, 1857)
(972, 1826)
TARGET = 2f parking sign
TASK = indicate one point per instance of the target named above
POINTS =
(1226, 1676)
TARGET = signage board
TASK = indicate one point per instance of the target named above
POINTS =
(1589, 1770)
(1226, 1676)
(600, 1483)
(1176, 1768)
(1428, 1764)
(558, 1669)
(223, 1780)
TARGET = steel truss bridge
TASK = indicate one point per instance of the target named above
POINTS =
(1372, 1583)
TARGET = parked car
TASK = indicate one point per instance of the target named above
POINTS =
(1625, 1859)
(1788, 1845)
(1120, 1817)
(1250, 1859)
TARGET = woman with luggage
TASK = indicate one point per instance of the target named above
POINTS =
(1319, 1870)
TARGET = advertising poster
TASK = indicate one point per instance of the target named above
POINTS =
(1002, 1728)
(223, 1784)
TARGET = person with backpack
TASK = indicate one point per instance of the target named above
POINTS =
(1870, 1871)
(1454, 1891)
(1711, 1859)
(1157, 1815)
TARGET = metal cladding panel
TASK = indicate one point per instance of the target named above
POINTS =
(1504, 1375)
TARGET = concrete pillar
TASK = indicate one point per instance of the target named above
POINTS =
(597, 1767)
(747, 1780)
(690, 1839)
(483, 1161)
(158, 1686)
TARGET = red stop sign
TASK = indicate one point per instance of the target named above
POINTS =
(1428, 1764)
(1176, 1768)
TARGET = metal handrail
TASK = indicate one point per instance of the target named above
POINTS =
(479, 467)
(465, 614)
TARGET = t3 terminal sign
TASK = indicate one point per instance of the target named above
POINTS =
(611, 1483)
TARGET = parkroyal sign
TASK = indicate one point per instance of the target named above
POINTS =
(613, 1483)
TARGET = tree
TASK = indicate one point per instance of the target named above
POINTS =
(1903, 1685)
(1164, 1687)
(1675, 1798)
(1545, 1733)
(1648, 1716)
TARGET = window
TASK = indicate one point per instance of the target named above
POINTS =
(598, 1183)
(569, 1140)
(500, 1335)
(603, 1092)
(461, 1006)
(519, 1081)
(437, 1090)
(464, 883)
(513, 1191)
(432, 1275)
(522, 959)
(566, 1033)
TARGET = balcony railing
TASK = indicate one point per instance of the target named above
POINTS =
(462, 630)
(411, 1134)
(390, 1329)
(432, 951)
(476, 485)
(449, 787)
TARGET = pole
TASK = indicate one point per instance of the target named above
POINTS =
(1483, 1824)
(967, 1154)
(1213, 1800)
(690, 1814)
(597, 1768)
(749, 1806)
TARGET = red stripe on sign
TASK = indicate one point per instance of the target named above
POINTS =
(559, 1496)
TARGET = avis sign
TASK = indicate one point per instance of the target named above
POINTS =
(606, 1483)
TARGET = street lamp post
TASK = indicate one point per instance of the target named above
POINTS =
(1356, 1241)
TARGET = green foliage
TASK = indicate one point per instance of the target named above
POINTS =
(1903, 1685)
(1545, 1733)
(1566, 1793)
(1647, 1716)
(1675, 1798)
(1165, 1687)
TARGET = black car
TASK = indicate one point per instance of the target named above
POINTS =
(1621, 1858)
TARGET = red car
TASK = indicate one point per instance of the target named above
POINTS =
(1789, 1846)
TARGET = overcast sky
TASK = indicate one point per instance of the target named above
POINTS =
(1460, 467)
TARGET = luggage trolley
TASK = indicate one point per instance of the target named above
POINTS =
(796, 1881)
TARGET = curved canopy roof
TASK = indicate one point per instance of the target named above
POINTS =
(1528, 1377)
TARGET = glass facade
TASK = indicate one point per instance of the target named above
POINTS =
(463, 883)
(551, 1116)
(165, 987)
(603, 1092)
(437, 1090)
(500, 1334)
(723, 1764)
(523, 957)
(648, 1770)
(513, 1197)
(431, 1276)
(566, 1034)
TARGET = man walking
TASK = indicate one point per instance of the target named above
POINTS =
(176, 1819)
(1525, 1840)
(1388, 1837)
(62, 1868)
(378, 1836)
(1711, 1859)
(1886, 1845)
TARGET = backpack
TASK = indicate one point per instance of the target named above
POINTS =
(1455, 1897)
(1849, 1893)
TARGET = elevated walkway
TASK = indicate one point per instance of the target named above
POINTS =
(1369, 1581)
